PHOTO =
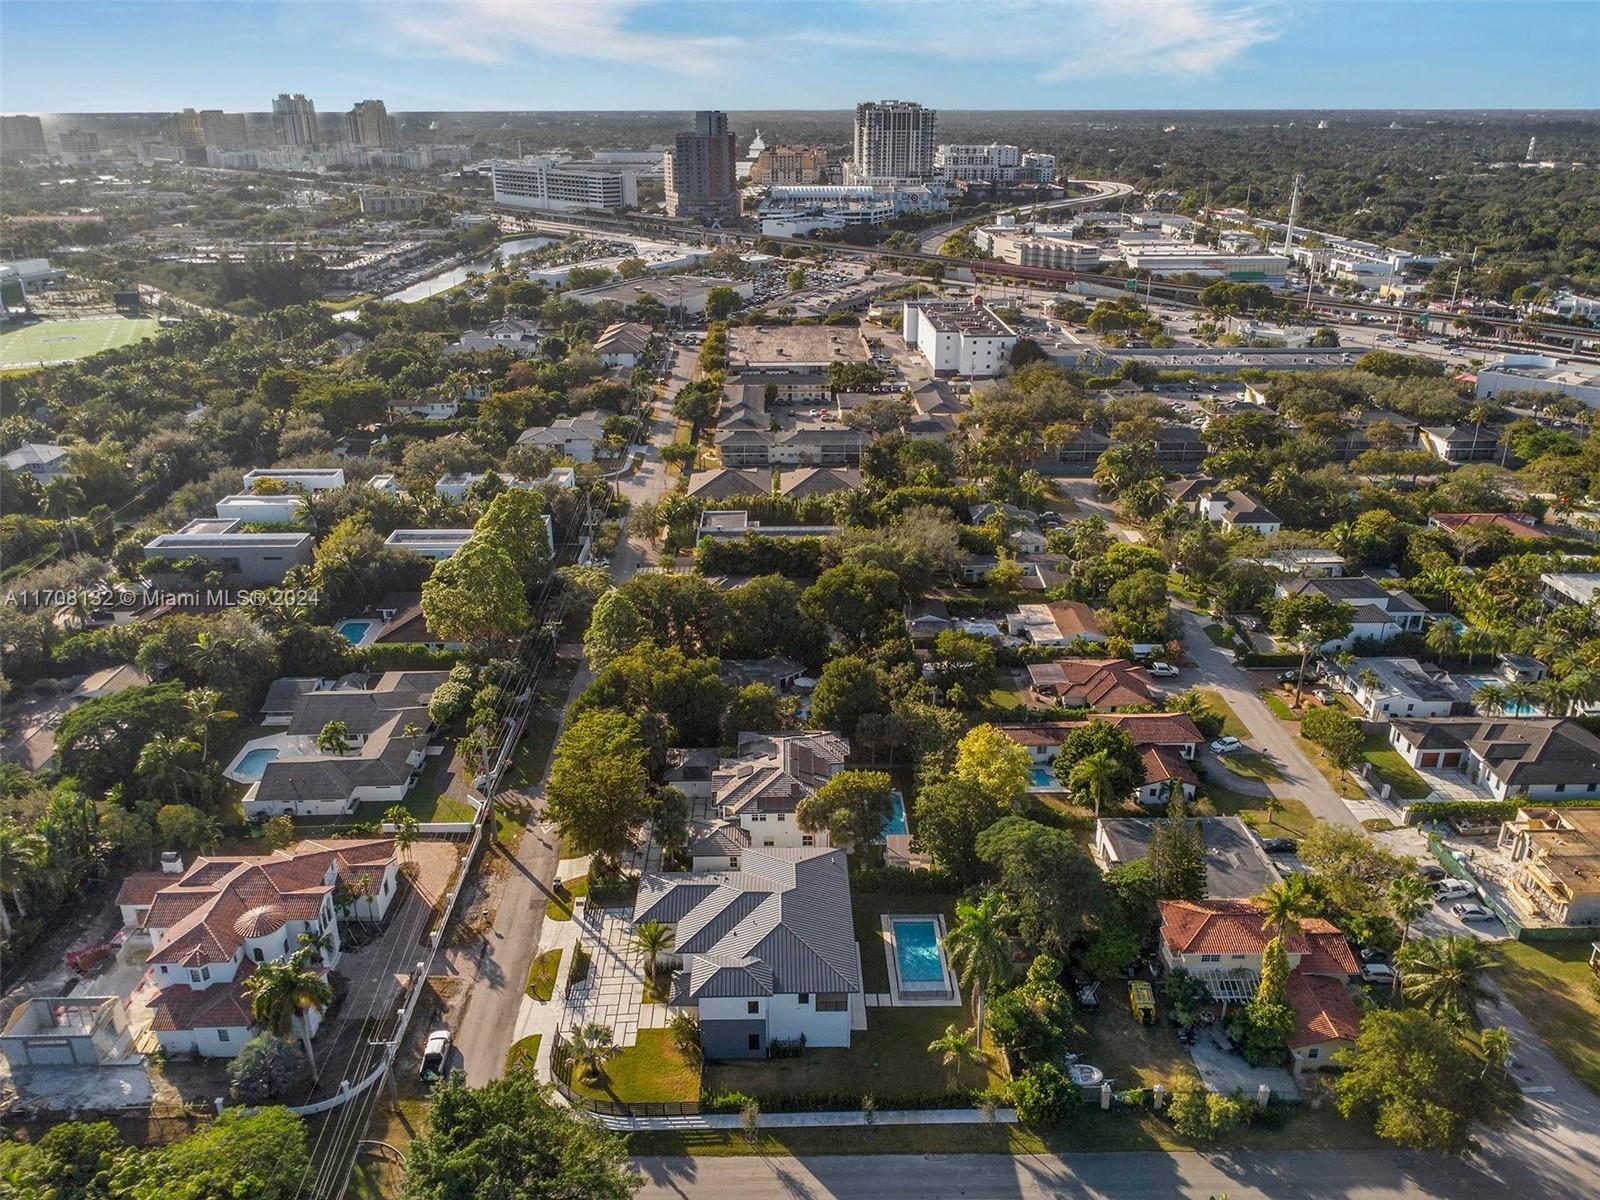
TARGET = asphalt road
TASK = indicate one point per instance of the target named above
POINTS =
(1274, 1175)
(1104, 190)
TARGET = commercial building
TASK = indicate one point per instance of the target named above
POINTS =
(795, 210)
(21, 136)
(684, 295)
(1186, 258)
(1027, 249)
(79, 145)
(224, 130)
(1545, 758)
(184, 129)
(764, 952)
(294, 120)
(702, 171)
(894, 139)
(1556, 852)
(994, 163)
(392, 204)
(250, 559)
(211, 926)
(958, 337)
(555, 183)
(792, 350)
(1538, 373)
(369, 124)
(790, 165)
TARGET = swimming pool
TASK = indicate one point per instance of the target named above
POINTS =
(1043, 777)
(1474, 682)
(917, 954)
(354, 630)
(253, 764)
(897, 819)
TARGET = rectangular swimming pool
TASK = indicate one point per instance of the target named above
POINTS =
(354, 630)
(897, 819)
(917, 954)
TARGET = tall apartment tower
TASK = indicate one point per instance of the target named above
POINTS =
(224, 130)
(22, 135)
(702, 171)
(895, 139)
(185, 129)
(295, 119)
(369, 124)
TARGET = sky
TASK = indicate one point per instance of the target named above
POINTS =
(156, 55)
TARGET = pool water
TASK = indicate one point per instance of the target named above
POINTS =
(1042, 777)
(1474, 682)
(254, 763)
(916, 950)
(353, 631)
(897, 819)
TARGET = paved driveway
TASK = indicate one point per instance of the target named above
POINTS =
(1223, 1071)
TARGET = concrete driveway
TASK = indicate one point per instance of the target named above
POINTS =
(1225, 1072)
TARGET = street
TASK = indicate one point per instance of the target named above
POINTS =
(1263, 1175)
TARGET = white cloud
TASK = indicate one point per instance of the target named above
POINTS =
(494, 32)
(1167, 37)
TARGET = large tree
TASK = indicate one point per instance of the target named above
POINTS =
(509, 1140)
(255, 1152)
(1178, 854)
(979, 948)
(476, 596)
(514, 522)
(1445, 976)
(1124, 762)
(597, 779)
(99, 741)
(848, 689)
(994, 762)
(614, 628)
(950, 814)
(1308, 622)
(852, 808)
(283, 993)
(861, 602)
(1048, 877)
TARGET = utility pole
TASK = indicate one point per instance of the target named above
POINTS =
(1294, 211)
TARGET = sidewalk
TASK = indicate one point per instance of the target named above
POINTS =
(544, 1016)
(812, 1120)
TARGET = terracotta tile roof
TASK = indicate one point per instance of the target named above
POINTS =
(1146, 729)
(1515, 523)
(1101, 682)
(1235, 927)
(1161, 765)
(220, 1006)
(1323, 1010)
(206, 912)
(141, 887)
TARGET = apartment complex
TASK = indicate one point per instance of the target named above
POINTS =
(790, 165)
(294, 119)
(702, 171)
(21, 135)
(994, 163)
(369, 124)
(958, 337)
(894, 139)
(555, 183)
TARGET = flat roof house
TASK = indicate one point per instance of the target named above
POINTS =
(212, 925)
(249, 559)
(1545, 758)
(270, 509)
(1556, 852)
(1563, 587)
(435, 544)
(310, 479)
(766, 952)
(1237, 868)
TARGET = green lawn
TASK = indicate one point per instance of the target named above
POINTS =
(426, 801)
(649, 1072)
(890, 1059)
(1007, 697)
(66, 341)
(1232, 726)
(1252, 764)
(542, 974)
(1277, 705)
(1551, 984)
(524, 1052)
(1221, 635)
(1293, 819)
(867, 907)
(1390, 768)
(559, 906)
(532, 752)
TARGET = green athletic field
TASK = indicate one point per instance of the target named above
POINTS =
(63, 341)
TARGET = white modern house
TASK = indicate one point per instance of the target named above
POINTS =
(435, 544)
(765, 952)
(310, 479)
(1378, 613)
(210, 926)
(1546, 758)
(756, 794)
(271, 509)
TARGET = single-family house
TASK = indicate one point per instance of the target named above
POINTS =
(622, 345)
(1379, 613)
(243, 559)
(425, 407)
(40, 461)
(248, 508)
(1103, 683)
(764, 952)
(722, 484)
(1403, 687)
(1544, 758)
(1518, 525)
(308, 479)
(581, 438)
(777, 672)
(1461, 443)
(1569, 587)
(1057, 623)
(755, 794)
(1167, 742)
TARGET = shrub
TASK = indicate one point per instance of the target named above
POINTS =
(685, 1031)
(1045, 1095)
(579, 970)
(914, 880)
(264, 1067)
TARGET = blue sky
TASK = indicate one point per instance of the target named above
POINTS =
(153, 55)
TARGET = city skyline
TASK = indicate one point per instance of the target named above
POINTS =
(504, 55)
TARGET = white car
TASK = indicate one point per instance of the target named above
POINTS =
(1472, 912)
(1454, 889)
(436, 1056)
(1377, 973)
(1226, 745)
(1162, 670)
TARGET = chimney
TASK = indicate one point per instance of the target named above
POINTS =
(171, 862)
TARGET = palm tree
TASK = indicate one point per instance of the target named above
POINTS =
(1445, 975)
(957, 1048)
(203, 707)
(1495, 1042)
(979, 948)
(1475, 641)
(210, 652)
(1490, 699)
(1442, 639)
(1519, 697)
(1342, 539)
(282, 993)
(334, 738)
(1094, 776)
(652, 938)
(21, 853)
(406, 828)
(163, 763)
(1284, 904)
(590, 1047)
(1272, 806)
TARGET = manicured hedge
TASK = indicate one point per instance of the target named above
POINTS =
(1494, 810)
(902, 879)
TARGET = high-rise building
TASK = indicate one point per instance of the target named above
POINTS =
(76, 142)
(894, 139)
(224, 130)
(369, 124)
(295, 119)
(185, 129)
(790, 165)
(20, 135)
(702, 171)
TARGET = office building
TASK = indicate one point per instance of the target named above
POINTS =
(392, 204)
(1028, 247)
(795, 210)
(79, 144)
(294, 118)
(21, 135)
(894, 139)
(789, 165)
(958, 337)
(1538, 373)
(702, 171)
(369, 124)
(1185, 258)
(554, 183)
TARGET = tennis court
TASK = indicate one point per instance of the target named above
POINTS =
(48, 342)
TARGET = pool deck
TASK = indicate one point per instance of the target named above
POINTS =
(949, 996)
(278, 741)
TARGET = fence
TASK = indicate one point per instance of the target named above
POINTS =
(1462, 869)
(561, 1068)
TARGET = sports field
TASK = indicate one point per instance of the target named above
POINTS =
(50, 342)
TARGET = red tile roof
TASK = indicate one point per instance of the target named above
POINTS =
(141, 887)
(1323, 1010)
(1235, 927)
(1102, 682)
(220, 1006)
(1074, 618)
(1161, 765)
(1514, 523)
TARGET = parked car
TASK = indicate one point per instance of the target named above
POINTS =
(1432, 872)
(1472, 912)
(1289, 677)
(1280, 845)
(1163, 670)
(1322, 696)
(1453, 889)
(1226, 745)
(1374, 954)
(1377, 972)
(435, 1056)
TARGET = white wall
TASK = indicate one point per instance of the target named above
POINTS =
(788, 1018)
